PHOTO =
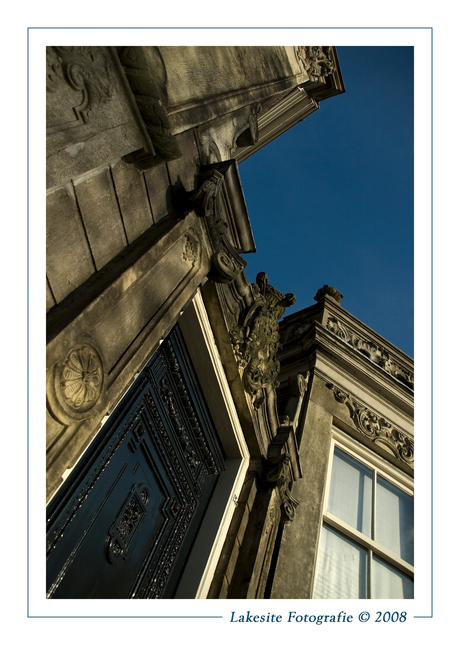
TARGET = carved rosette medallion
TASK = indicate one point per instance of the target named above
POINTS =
(256, 340)
(81, 378)
(316, 61)
(376, 428)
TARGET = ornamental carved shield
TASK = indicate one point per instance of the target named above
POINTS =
(256, 340)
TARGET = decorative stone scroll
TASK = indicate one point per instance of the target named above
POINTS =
(276, 473)
(79, 79)
(374, 352)
(376, 428)
(256, 340)
(226, 261)
(316, 61)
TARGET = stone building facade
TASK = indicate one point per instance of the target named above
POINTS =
(355, 437)
(169, 467)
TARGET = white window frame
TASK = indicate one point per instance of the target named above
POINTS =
(380, 467)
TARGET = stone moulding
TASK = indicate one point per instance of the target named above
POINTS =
(376, 428)
(374, 352)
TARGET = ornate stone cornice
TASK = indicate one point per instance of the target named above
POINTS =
(376, 353)
(376, 428)
(256, 339)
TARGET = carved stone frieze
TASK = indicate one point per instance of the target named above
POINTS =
(374, 352)
(256, 340)
(79, 77)
(376, 428)
(316, 61)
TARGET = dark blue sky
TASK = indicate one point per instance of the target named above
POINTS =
(331, 201)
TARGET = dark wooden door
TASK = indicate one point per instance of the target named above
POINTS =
(124, 522)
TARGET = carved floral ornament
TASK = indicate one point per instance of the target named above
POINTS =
(316, 61)
(256, 340)
(81, 378)
(376, 428)
(191, 249)
(373, 351)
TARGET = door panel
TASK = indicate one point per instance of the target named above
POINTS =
(124, 522)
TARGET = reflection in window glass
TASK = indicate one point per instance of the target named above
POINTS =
(341, 570)
(388, 582)
(395, 520)
(350, 495)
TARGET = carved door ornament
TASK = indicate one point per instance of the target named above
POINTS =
(256, 340)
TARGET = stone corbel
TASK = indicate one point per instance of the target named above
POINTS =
(226, 261)
(277, 472)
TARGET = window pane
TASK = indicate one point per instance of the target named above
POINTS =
(388, 582)
(350, 494)
(395, 520)
(341, 570)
